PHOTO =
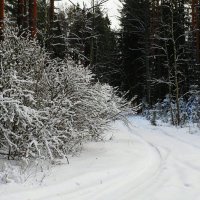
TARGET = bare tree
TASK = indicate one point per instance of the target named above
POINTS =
(169, 42)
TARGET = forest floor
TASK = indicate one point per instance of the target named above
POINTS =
(142, 162)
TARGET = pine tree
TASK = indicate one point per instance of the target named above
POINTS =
(11, 8)
(88, 37)
(135, 29)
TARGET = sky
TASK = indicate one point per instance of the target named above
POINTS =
(111, 7)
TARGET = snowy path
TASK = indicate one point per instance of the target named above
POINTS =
(144, 163)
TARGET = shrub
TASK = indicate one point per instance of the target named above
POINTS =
(48, 107)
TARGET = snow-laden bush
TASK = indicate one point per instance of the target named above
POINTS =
(16, 171)
(19, 117)
(193, 108)
(166, 110)
(10, 173)
(48, 107)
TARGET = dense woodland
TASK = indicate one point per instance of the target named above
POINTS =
(54, 61)
(160, 53)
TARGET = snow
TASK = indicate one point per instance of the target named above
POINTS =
(142, 162)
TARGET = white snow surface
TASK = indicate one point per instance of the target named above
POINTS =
(142, 162)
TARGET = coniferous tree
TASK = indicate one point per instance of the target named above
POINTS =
(11, 8)
(158, 51)
(135, 29)
(90, 34)
(194, 69)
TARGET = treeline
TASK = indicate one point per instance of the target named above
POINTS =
(79, 33)
(154, 56)
(160, 51)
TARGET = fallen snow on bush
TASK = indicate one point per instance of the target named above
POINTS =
(49, 107)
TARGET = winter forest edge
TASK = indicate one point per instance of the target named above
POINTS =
(66, 75)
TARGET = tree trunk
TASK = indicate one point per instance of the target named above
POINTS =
(25, 20)
(195, 28)
(20, 16)
(1, 19)
(92, 37)
(175, 65)
(33, 17)
(170, 87)
(148, 75)
(51, 13)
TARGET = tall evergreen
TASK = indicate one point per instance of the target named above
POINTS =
(135, 30)
(11, 9)
(93, 43)
(157, 50)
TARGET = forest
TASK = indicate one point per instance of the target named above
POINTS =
(65, 74)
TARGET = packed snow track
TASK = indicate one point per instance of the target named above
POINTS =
(142, 162)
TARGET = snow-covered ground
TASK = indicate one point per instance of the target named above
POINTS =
(142, 162)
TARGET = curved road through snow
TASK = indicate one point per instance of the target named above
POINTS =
(139, 163)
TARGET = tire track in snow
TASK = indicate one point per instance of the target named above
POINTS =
(150, 182)
(178, 139)
(120, 185)
(181, 177)
(145, 178)
(161, 171)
